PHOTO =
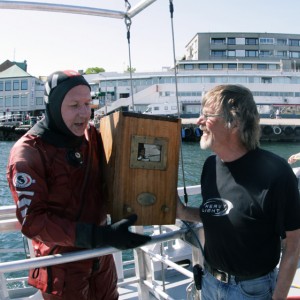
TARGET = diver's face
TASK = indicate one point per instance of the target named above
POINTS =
(76, 109)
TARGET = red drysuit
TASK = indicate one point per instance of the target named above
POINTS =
(53, 194)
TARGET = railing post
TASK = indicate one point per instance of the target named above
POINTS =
(142, 268)
(3, 288)
(119, 265)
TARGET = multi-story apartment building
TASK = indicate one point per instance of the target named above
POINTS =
(267, 63)
(244, 51)
(20, 93)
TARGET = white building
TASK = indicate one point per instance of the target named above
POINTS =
(267, 63)
(20, 93)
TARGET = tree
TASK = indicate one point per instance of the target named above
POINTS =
(94, 70)
(128, 70)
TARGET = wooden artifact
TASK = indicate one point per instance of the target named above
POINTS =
(141, 166)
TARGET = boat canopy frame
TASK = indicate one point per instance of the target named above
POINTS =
(74, 9)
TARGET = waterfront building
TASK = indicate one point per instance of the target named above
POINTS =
(267, 63)
(21, 94)
(241, 50)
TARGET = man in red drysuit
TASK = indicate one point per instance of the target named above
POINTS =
(54, 173)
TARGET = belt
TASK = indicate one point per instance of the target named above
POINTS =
(226, 277)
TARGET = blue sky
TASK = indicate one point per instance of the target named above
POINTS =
(53, 41)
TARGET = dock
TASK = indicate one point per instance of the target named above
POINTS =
(277, 130)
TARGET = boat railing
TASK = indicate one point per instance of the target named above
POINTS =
(143, 256)
(146, 270)
(172, 247)
(13, 119)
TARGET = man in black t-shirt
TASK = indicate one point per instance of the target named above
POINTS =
(251, 204)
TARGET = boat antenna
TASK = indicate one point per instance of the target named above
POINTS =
(128, 23)
(171, 7)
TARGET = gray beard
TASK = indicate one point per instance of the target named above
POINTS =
(205, 143)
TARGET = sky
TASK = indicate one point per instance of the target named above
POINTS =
(57, 41)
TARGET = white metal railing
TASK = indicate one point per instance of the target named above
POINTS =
(139, 275)
(72, 9)
(11, 118)
(143, 276)
(50, 260)
(145, 282)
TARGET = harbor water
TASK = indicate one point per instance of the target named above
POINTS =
(189, 171)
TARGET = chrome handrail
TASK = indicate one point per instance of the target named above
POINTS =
(50, 260)
(73, 9)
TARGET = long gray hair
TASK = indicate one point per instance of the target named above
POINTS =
(236, 104)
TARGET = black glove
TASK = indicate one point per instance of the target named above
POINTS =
(116, 235)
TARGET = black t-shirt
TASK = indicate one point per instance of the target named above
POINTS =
(248, 204)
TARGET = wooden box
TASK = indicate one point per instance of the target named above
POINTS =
(141, 166)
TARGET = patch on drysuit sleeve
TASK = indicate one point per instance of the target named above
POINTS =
(22, 180)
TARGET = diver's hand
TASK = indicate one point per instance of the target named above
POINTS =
(116, 235)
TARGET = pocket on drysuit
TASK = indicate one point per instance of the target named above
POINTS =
(49, 280)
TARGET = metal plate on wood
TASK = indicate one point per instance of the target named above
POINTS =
(146, 199)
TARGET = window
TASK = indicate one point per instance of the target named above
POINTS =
(24, 84)
(265, 53)
(232, 66)
(251, 53)
(240, 53)
(294, 54)
(124, 95)
(218, 41)
(1, 86)
(119, 83)
(8, 85)
(281, 53)
(218, 53)
(253, 80)
(294, 42)
(1, 102)
(237, 80)
(281, 42)
(231, 41)
(262, 66)
(16, 85)
(39, 100)
(231, 53)
(8, 101)
(203, 66)
(266, 79)
(221, 79)
(251, 41)
(16, 100)
(266, 41)
(188, 67)
(24, 100)
(247, 66)
(218, 66)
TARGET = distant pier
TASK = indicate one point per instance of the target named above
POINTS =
(277, 130)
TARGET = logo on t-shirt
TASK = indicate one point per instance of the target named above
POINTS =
(216, 207)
